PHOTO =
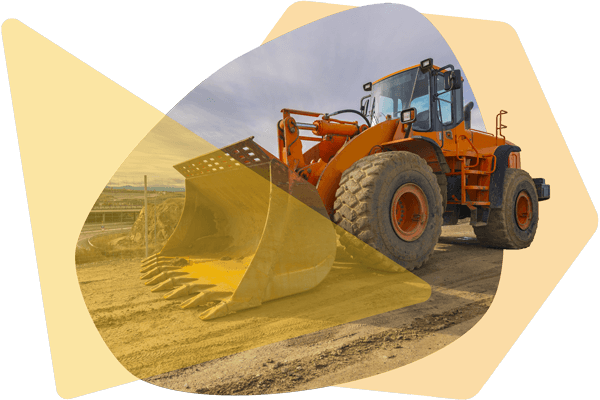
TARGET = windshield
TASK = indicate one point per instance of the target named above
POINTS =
(392, 95)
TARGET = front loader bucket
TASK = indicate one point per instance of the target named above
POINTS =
(251, 231)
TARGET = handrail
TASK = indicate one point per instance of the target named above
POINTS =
(472, 146)
(499, 126)
(494, 161)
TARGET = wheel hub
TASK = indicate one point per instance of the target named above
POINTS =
(523, 210)
(409, 212)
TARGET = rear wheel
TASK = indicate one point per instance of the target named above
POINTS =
(392, 202)
(513, 225)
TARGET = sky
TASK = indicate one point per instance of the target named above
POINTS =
(320, 67)
(167, 144)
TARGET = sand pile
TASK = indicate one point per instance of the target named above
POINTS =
(162, 220)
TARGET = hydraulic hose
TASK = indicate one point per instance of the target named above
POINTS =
(348, 111)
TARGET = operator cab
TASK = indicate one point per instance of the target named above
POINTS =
(435, 94)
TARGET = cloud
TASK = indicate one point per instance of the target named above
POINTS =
(477, 120)
(319, 67)
(167, 144)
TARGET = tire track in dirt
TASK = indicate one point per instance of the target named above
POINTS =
(283, 376)
(461, 295)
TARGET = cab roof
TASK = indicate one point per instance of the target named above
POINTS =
(402, 70)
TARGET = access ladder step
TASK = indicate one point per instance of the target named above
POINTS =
(471, 172)
(478, 203)
(471, 203)
(475, 187)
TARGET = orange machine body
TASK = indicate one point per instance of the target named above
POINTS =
(468, 154)
(323, 164)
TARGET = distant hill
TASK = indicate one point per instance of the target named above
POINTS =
(150, 188)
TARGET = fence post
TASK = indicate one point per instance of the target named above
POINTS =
(146, 213)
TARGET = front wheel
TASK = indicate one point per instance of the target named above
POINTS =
(392, 202)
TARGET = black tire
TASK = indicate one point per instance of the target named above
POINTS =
(443, 182)
(503, 230)
(363, 208)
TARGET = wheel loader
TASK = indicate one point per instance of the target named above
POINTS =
(257, 226)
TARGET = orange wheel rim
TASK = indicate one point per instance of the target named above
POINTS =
(523, 210)
(409, 212)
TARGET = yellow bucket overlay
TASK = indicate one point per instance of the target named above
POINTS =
(243, 238)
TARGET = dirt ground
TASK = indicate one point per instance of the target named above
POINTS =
(285, 345)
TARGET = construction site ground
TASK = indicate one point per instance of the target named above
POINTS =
(133, 322)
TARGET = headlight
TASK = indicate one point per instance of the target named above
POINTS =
(407, 116)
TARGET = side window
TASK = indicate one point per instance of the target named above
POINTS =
(372, 113)
(445, 102)
(386, 106)
(422, 105)
(398, 108)
(458, 105)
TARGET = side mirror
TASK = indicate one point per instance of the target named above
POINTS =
(364, 104)
(408, 116)
(452, 80)
(368, 86)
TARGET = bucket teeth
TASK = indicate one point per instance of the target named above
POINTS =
(184, 290)
(172, 283)
(152, 261)
(157, 271)
(163, 276)
(220, 310)
(163, 261)
(150, 266)
(166, 285)
(150, 258)
(203, 298)
(179, 292)
(229, 306)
